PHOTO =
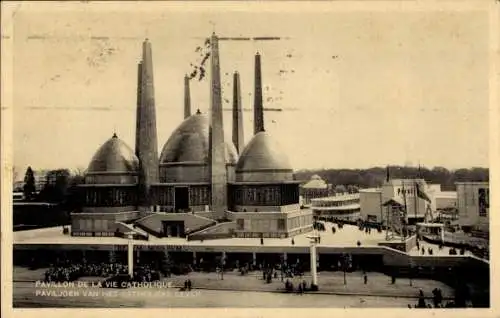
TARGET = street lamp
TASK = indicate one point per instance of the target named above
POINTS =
(346, 259)
(411, 270)
(313, 240)
(130, 253)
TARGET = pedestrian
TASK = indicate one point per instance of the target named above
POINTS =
(365, 278)
(293, 241)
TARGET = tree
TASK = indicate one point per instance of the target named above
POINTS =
(352, 188)
(56, 189)
(340, 188)
(74, 198)
(15, 174)
(29, 188)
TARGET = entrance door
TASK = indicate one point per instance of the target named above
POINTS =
(181, 199)
(174, 230)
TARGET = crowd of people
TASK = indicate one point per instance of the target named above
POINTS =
(437, 300)
(67, 272)
(70, 272)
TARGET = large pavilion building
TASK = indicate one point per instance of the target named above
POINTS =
(200, 181)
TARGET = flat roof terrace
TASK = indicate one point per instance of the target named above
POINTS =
(343, 241)
(346, 237)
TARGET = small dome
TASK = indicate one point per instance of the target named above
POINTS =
(263, 155)
(113, 156)
(190, 143)
(316, 177)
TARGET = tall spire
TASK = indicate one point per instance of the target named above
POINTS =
(258, 119)
(146, 142)
(216, 133)
(237, 115)
(187, 98)
(139, 108)
(387, 177)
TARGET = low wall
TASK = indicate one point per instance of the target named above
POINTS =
(32, 215)
(404, 246)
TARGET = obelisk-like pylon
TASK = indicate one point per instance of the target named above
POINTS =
(146, 146)
(187, 98)
(216, 139)
(237, 115)
(258, 119)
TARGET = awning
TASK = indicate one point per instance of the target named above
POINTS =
(431, 224)
(394, 202)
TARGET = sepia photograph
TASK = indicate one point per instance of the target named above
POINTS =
(231, 155)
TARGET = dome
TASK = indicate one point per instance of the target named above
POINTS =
(190, 143)
(113, 156)
(315, 183)
(263, 155)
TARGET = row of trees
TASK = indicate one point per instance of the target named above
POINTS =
(59, 187)
(374, 177)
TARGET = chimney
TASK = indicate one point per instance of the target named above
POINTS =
(237, 115)
(187, 98)
(216, 139)
(146, 140)
(258, 119)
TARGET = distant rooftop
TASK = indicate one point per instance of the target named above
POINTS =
(446, 194)
(342, 197)
(371, 190)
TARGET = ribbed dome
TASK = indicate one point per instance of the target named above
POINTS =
(189, 143)
(262, 153)
(113, 156)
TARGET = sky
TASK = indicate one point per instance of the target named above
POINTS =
(357, 88)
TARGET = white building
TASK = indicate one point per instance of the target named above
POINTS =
(371, 201)
(473, 205)
(402, 190)
(343, 207)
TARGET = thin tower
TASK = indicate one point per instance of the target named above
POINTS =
(216, 133)
(237, 115)
(258, 119)
(187, 98)
(146, 140)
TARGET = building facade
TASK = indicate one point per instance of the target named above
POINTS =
(342, 207)
(473, 205)
(371, 209)
(200, 177)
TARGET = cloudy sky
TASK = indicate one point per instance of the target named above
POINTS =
(357, 88)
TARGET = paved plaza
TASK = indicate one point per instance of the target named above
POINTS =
(377, 292)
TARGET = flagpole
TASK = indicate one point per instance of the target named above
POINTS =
(415, 194)
(406, 207)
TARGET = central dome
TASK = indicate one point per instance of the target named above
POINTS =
(189, 143)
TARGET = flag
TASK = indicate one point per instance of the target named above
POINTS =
(421, 193)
